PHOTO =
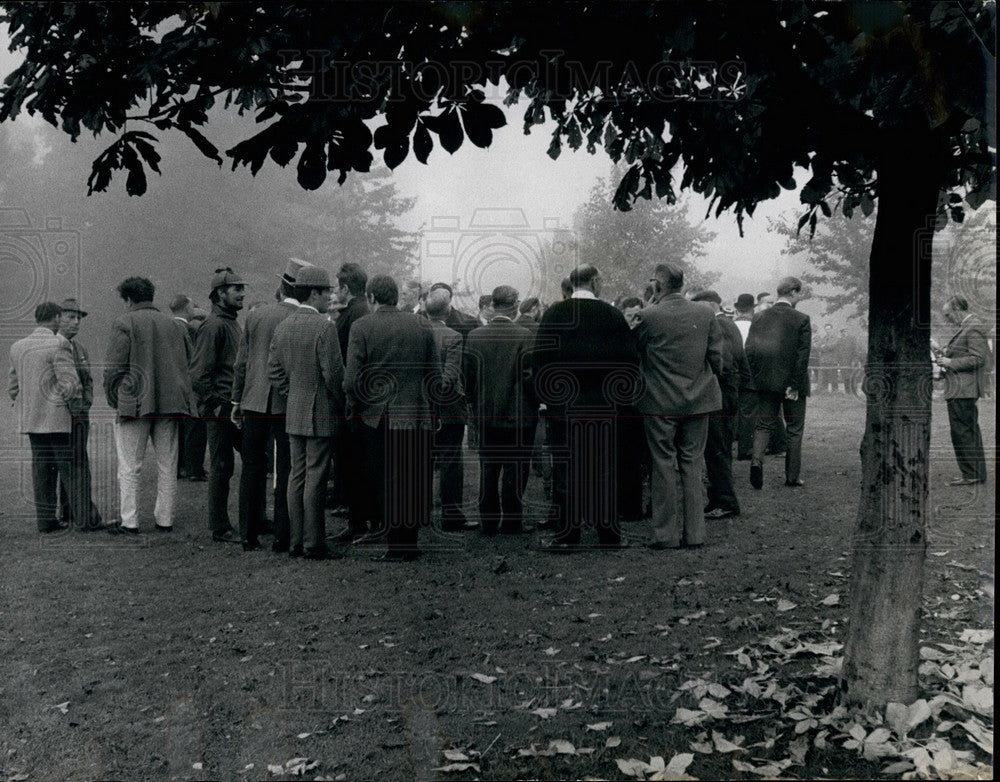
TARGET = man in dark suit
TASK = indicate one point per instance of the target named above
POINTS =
(529, 311)
(192, 432)
(450, 402)
(307, 371)
(681, 348)
(584, 371)
(965, 362)
(260, 414)
(352, 487)
(722, 501)
(777, 348)
(79, 408)
(455, 319)
(392, 369)
(496, 368)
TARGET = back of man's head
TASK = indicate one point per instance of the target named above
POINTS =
(47, 313)
(789, 285)
(709, 295)
(504, 299)
(670, 277)
(383, 289)
(179, 304)
(583, 276)
(438, 303)
(136, 290)
(528, 304)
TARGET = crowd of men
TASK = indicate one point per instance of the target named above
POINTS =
(352, 378)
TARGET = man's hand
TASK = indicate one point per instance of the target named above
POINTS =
(791, 394)
(943, 361)
(236, 416)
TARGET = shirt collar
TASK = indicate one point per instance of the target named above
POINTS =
(308, 307)
(782, 301)
(290, 300)
(581, 293)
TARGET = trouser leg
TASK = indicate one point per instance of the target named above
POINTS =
(44, 474)
(163, 433)
(318, 451)
(221, 438)
(795, 420)
(691, 435)
(253, 479)
(131, 436)
(296, 490)
(660, 432)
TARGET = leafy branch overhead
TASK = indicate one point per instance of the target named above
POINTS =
(736, 100)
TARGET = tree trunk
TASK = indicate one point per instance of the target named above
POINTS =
(890, 540)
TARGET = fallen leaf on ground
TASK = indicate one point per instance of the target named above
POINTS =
(544, 713)
(484, 678)
(830, 600)
(458, 767)
(613, 741)
(599, 726)
(786, 605)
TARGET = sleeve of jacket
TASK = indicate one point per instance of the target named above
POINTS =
(206, 350)
(12, 383)
(355, 364)
(116, 362)
(470, 371)
(240, 367)
(432, 369)
(716, 348)
(276, 372)
(978, 352)
(802, 348)
(64, 367)
(331, 366)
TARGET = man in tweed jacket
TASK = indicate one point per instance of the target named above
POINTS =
(260, 412)
(307, 372)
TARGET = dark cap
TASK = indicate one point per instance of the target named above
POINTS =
(70, 305)
(225, 276)
(711, 296)
(745, 301)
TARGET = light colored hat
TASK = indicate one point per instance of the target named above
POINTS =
(70, 305)
(292, 269)
(225, 276)
(310, 276)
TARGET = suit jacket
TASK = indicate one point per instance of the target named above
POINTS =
(356, 308)
(306, 371)
(214, 356)
(968, 377)
(42, 379)
(681, 345)
(778, 349)
(392, 368)
(584, 357)
(460, 322)
(497, 370)
(146, 368)
(449, 396)
(528, 322)
(82, 401)
(735, 368)
(251, 374)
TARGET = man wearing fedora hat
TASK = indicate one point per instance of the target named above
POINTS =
(259, 411)
(79, 404)
(212, 379)
(307, 371)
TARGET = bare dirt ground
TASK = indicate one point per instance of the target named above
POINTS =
(173, 657)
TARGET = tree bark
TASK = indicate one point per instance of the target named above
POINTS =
(890, 541)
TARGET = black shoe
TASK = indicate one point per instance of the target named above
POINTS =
(295, 552)
(118, 529)
(229, 536)
(252, 545)
(756, 475)
(795, 484)
(613, 545)
(545, 524)
(198, 477)
(743, 457)
(720, 513)
(519, 530)
(347, 536)
(163, 528)
(966, 482)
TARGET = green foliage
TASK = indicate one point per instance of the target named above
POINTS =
(736, 96)
(626, 246)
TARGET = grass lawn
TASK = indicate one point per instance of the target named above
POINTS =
(173, 657)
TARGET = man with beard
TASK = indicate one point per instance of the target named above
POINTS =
(212, 379)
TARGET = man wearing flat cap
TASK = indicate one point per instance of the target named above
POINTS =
(260, 412)
(212, 379)
(79, 405)
(307, 372)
